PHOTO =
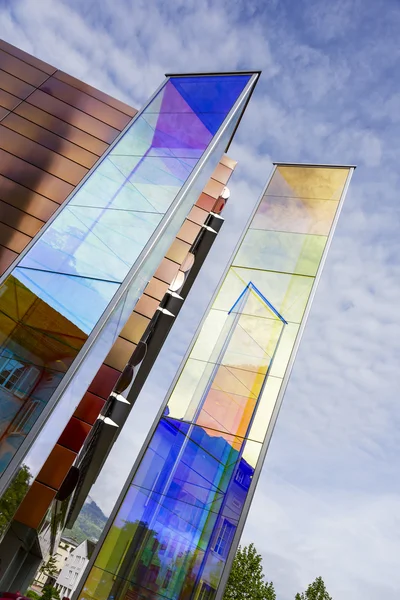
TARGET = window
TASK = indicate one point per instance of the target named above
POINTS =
(240, 477)
(206, 592)
(224, 538)
(17, 377)
(69, 574)
(167, 579)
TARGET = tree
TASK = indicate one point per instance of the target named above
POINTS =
(315, 591)
(49, 568)
(13, 497)
(246, 579)
(50, 593)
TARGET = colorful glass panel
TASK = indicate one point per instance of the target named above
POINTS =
(175, 526)
(75, 268)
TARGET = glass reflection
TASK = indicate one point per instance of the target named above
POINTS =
(285, 252)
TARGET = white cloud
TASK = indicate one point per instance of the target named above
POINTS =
(328, 500)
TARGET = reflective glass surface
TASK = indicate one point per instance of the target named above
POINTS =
(74, 269)
(175, 525)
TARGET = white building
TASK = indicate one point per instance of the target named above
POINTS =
(75, 564)
(65, 547)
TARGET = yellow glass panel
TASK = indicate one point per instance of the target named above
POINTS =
(188, 389)
(98, 585)
(264, 410)
(287, 293)
(308, 182)
(297, 215)
(284, 252)
(251, 453)
(284, 351)
(211, 330)
(253, 343)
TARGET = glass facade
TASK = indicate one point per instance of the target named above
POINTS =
(175, 524)
(111, 235)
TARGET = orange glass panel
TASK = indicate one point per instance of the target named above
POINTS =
(35, 505)
(56, 467)
(214, 188)
(198, 215)
(119, 354)
(89, 408)
(167, 270)
(156, 288)
(222, 174)
(74, 434)
(135, 327)
(102, 385)
(178, 251)
(188, 232)
(6, 258)
(147, 306)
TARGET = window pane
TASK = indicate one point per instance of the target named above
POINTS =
(92, 242)
(308, 182)
(297, 215)
(286, 252)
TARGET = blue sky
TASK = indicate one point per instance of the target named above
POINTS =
(329, 498)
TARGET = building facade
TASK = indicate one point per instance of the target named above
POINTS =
(73, 569)
(177, 524)
(107, 215)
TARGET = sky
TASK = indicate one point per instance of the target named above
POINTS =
(328, 501)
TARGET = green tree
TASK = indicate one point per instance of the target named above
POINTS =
(246, 579)
(315, 591)
(49, 568)
(49, 593)
(10, 501)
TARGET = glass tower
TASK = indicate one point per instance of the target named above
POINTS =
(177, 524)
(65, 300)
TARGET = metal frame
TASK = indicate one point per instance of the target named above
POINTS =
(282, 390)
(227, 73)
(26, 446)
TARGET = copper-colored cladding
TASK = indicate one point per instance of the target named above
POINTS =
(53, 129)
(74, 434)
(56, 466)
(35, 505)
(89, 408)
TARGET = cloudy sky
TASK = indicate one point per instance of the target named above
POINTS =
(329, 498)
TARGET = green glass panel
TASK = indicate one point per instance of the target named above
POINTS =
(285, 252)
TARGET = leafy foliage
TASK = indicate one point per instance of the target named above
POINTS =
(10, 501)
(49, 593)
(315, 591)
(49, 568)
(246, 579)
(32, 594)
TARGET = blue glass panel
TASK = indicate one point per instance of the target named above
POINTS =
(92, 242)
(183, 134)
(207, 94)
(108, 188)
